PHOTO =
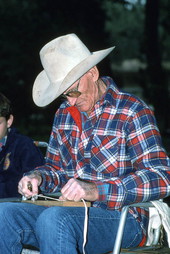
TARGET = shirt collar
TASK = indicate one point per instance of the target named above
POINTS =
(111, 92)
(3, 142)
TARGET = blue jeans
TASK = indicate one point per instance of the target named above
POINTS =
(59, 230)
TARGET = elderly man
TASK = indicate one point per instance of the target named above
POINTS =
(104, 147)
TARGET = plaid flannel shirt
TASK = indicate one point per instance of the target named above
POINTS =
(118, 147)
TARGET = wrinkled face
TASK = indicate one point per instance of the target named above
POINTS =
(4, 125)
(88, 89)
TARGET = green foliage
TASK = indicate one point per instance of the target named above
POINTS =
(164, 29)
(124, 25)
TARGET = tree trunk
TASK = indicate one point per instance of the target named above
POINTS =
(157, 88)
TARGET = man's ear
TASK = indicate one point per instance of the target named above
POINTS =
(10, 121)
(95, 73)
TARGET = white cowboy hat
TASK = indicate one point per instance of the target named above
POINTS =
(64, 59)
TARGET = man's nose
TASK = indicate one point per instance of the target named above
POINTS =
(72, 100)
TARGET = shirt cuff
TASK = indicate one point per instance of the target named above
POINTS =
(103, 189)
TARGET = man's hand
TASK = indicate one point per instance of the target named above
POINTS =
(28, 185)
(78, 189)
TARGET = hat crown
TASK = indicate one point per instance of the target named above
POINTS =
(61, 55)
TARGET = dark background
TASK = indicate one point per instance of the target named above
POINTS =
(140, 63)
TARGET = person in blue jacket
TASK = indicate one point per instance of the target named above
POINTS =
(18, 153)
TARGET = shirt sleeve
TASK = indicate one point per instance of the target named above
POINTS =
(52, 173)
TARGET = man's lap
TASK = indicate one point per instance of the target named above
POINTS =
(38, 221)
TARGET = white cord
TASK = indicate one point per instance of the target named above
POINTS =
(85, 226)
(45, 197)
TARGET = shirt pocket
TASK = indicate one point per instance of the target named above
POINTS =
(104, 154)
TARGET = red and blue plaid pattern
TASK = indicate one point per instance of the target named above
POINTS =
(118, 146)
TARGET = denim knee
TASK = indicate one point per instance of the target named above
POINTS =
(7, 210)
(49, 218)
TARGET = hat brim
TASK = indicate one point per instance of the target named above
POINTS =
(45, 92)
